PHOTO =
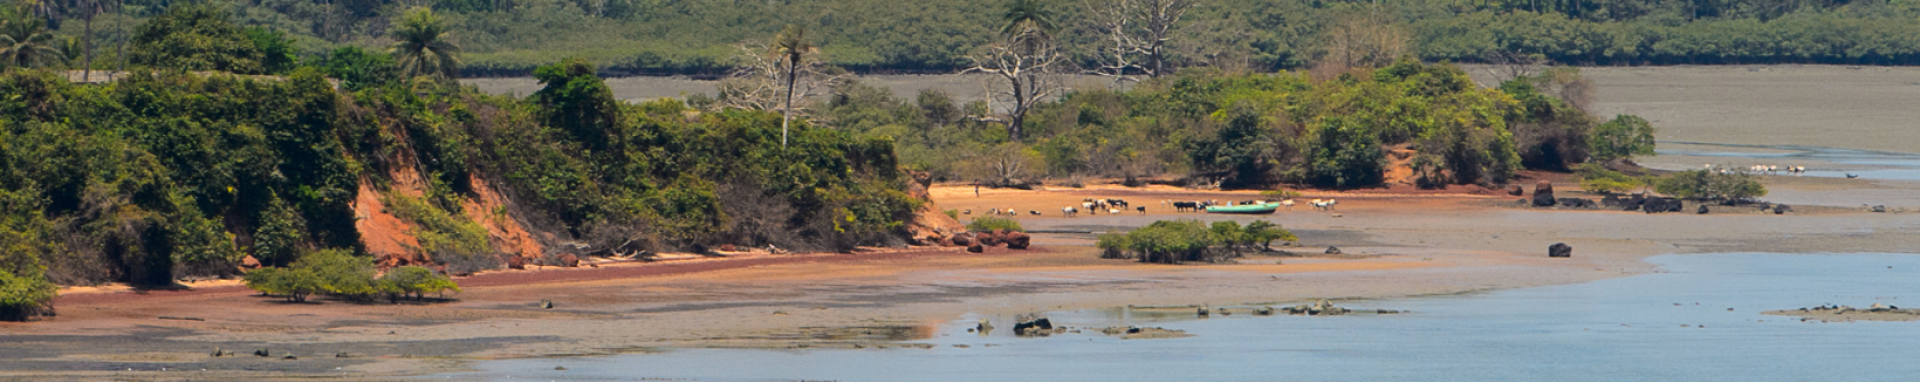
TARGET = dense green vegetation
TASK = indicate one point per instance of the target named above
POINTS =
(1176, 241)
(1249, 130)
(659, 36)
(169, 174)
(343, 275)
(1711, 185)
(990, 224)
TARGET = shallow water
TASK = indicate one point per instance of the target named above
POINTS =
(1617, 329)
(1820, 161)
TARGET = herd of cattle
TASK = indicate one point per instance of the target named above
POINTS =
(1118, 206)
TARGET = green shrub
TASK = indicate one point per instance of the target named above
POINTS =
(1176, 241)
(341, 273)
(415, 281)
(1280, 194)
(1597, 178)
(1711, 185)
(1623, 137)
(293, 284)
(990, 223)
(446, 236)
(955, 214)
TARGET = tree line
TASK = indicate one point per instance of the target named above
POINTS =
(699, 37)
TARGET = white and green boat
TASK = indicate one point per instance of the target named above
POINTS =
(1261, 208)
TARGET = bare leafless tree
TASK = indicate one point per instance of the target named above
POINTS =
(1138, 31)
(1510, 65)
(1362, 41)
(758, 82)
(1028, 63)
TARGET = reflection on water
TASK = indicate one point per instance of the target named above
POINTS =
(1820, 161)
(1698, 320)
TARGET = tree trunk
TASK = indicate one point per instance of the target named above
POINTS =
(86, 73)
(1019, 114)
(786, 116)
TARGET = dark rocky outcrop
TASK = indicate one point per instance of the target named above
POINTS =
(1516, 191)
(569, 260)
(1576, 203)
(1332, 250)
(1560, 250)
(1658, 205)
(1018, 240)
(1702, 210)
(1543, 194)
(1035, 327)
(517, 262)
(989, 239)
(962, 240)
(976, 247)
(1779, 209)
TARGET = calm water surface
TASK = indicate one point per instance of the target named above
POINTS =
(1618, 329)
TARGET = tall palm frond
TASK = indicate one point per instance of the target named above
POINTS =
(1024, 14)
(25, 42)
(790, 45)
(422, 46)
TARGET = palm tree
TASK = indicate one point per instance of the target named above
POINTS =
(1027, 20)
(792, 46)
(421, 46)
(25, 42)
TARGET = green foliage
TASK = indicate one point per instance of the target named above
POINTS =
(441, 233)
(1176, 241)
(1597, 178)
(990, 223)
(415, 281)
(25, 41)
(277, 54)
(1345, 157)
(358, 69)
(955, 214)
(20, 295)
(198, 37)
(1280, 194)
(577, 101)
(1165, 241)
(423, 46)
(1265, 232)
(1623, 137)
(279, 238)
(293, 283)
(1711, 185)
(341, 273)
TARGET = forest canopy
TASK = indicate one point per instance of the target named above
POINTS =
(702, 37)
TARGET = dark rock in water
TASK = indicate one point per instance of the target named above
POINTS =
(262, 352)
(1543, 194)
(1779, 209)
(290, 357)
(1263, 311)
(1386, 311)
(218, 352)
(1560, 250)
(1133, 330)
(1879, 208)
(1332, 250)
(1702, 210)
(1036, 327)
(1203, 312)
(546, 304)
(1516, 191)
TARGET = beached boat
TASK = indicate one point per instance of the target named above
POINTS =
(1263, 208)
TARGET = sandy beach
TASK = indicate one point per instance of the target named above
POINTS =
(1395, 243)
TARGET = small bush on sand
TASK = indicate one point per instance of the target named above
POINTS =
(1711, 185)
(1176, 241)
(414, 281)
(989, 223)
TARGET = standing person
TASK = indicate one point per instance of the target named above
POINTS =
(976, 189)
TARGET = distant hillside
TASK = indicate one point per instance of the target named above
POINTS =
(510, 38)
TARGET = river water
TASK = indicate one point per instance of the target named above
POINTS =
(1698, 319)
